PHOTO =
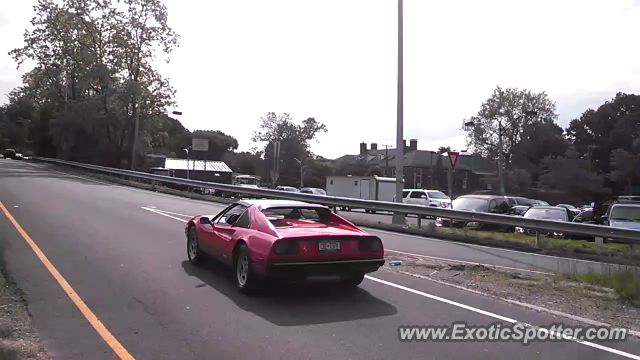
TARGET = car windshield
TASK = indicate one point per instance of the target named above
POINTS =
(625, 213)
(279, 216)
(546, 214)
(437, 195)
(472, 204)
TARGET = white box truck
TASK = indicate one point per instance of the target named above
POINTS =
(376, 188)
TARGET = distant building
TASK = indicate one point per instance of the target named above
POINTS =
(209, 171)
(424, 168)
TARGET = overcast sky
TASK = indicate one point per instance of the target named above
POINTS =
(336, 60)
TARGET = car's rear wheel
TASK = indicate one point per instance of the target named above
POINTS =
(354, 279)
(195, 255)
(245, 277)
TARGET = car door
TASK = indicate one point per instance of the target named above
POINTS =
(222, 231)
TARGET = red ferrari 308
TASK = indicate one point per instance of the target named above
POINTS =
(283, 238)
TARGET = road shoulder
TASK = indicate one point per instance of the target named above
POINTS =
(18, 337)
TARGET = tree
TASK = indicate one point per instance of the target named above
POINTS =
(506, 112)
(625, 166)
(245, 162)
(539, 140)
(518, 181)
(294, 143)
(612, 126)
(444, 149)
(573, 174)
(93, 66)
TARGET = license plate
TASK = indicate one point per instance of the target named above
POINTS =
(328, 246)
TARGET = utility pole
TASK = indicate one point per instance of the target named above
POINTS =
(399, 218)
(500, 159)
(136, 120)
(276, 161)
(301, 163)
(386, 158)
(188, 150)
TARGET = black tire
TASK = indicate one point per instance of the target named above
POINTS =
(245, 277)
(194, 254)
(353, 280)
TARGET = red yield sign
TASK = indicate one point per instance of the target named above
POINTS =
(453, 158)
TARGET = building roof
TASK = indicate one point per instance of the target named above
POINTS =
(196, 165)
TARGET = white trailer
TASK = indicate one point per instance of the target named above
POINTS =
(362, 187)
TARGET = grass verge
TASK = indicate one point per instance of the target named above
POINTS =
(626, 283)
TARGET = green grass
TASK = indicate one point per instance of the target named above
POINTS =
(546, 242)
(626, 283)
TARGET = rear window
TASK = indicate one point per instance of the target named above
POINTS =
(546, 214)
(471, 204)
(279, 216)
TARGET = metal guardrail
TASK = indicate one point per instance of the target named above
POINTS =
(504, 220)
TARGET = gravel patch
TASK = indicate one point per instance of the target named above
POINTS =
(553, 292)
(18, 340)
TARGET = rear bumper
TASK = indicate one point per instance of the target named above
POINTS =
(322, 268)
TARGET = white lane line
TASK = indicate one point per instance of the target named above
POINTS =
(504, 318)
(470, 308)
(163, 214)
(168, 212)
(467, 262)
(476, 246)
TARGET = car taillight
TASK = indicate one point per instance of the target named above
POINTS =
(286, 248)
(369, 245)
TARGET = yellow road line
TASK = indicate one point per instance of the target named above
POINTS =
(84, 309)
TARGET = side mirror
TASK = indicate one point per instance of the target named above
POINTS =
(205, 220)
(423, 197)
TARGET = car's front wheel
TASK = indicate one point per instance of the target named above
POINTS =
(353, 279)
(245, 277)
(195, 255)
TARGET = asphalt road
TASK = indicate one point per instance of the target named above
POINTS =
(128, 265)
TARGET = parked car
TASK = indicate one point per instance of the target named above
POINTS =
(287, 189)
(624, 214)
(520, 201)
(9, 154)
(479, 203)
(18, 156)
(285, 239)
(313, 191)
(543, 212)
(584, 217)
(540, 202)
(574, 211)
(518, 210)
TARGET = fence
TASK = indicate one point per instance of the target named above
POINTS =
(619, 234)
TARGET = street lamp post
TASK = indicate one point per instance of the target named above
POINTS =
(188, 150)
(501, 146)
(301, 163)
(399, 218)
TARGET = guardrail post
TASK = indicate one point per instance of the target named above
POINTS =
(537, 239)
(599, 240)
(419, 221)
